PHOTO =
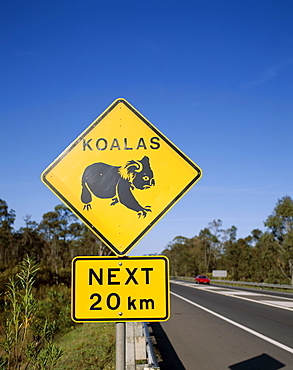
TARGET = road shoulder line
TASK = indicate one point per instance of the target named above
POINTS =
(253, 332)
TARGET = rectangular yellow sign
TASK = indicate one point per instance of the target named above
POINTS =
(120, 289)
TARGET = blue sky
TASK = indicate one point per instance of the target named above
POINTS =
(215, 76)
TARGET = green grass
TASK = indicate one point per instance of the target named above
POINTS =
(88, 346)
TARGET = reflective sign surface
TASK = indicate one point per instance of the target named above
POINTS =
(120, 176)
(120, 289)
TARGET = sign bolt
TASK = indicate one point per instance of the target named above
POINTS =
(120, 313)
(120, 263)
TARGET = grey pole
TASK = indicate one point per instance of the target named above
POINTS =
(120, 346)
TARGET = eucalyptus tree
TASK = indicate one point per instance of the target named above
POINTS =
(90, 245)
(280, 225)
(7, 218)
(28, 241)
(264, 263)
(209, 246)
(231, 257)
(179, 251)
(245, 256)
(58, 229)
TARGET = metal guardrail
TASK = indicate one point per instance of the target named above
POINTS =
(263, 285)
(140, 353)
(151, 357)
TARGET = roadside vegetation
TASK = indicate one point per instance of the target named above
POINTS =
(36, 330)
(264, 257)
(38, 333)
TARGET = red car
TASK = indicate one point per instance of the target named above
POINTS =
(202, 279)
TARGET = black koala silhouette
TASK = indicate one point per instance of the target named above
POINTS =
(106, 181)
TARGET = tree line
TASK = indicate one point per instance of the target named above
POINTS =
(260, 257)
(53, 243)
(60, 236)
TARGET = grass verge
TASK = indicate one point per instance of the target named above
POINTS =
(88, 346)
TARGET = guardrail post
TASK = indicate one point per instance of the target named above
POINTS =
(120, 346)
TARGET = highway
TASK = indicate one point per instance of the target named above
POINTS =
(215, 328)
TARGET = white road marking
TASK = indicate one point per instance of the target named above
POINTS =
(181, 282)
(280, 303)
(215, 288)
(253, 332)
(285, 303)
(238, 292)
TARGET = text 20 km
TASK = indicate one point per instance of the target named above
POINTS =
(113, 302)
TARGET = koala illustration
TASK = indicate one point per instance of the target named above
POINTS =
(105, 181)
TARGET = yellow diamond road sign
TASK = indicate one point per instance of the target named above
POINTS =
(120, 176)
(120, 289)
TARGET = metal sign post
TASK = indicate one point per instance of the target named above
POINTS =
(120, 346)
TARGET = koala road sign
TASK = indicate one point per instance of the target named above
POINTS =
(121, 176)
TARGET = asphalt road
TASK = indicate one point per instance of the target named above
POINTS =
(201, 337)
